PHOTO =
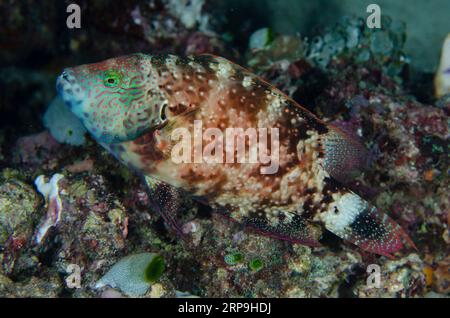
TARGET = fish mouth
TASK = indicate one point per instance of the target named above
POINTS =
(69, 90)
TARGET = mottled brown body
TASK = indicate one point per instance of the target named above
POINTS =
(297, 202)
(222, 94)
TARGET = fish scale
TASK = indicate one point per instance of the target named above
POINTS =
(133, 105)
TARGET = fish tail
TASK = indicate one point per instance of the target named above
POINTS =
(355, 220)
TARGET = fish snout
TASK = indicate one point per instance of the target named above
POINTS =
(64, 80)
(67, 87)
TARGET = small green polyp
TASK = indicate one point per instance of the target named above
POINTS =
(233, 258)
(255, 264)
(154, 269)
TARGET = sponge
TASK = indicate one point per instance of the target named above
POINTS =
(64, 126)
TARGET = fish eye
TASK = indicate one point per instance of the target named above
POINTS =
(112, 78)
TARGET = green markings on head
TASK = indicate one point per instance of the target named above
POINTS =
(114, 104)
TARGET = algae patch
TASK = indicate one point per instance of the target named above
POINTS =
(134, 274)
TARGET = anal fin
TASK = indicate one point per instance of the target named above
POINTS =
(294, 229)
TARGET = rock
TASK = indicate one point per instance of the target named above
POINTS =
(442, 276)
(18, 204)
(403, 277)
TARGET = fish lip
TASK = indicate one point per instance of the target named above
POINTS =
(66, 86)
(65, 79)
(60, 85)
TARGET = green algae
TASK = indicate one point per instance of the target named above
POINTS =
(255, 264)
(134, 274)
(155, 269)
(261, 38)
(233, 258)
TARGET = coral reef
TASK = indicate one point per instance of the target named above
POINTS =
(18, 205)
(355, 79)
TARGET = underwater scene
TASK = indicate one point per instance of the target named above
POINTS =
(224, 148)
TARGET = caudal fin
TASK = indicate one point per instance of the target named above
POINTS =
(377, 233)
(355, 220)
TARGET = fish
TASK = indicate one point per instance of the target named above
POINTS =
(205, 127)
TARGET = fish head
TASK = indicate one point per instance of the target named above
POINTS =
(112, 98)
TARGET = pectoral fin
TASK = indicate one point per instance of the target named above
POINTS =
(345, 156)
